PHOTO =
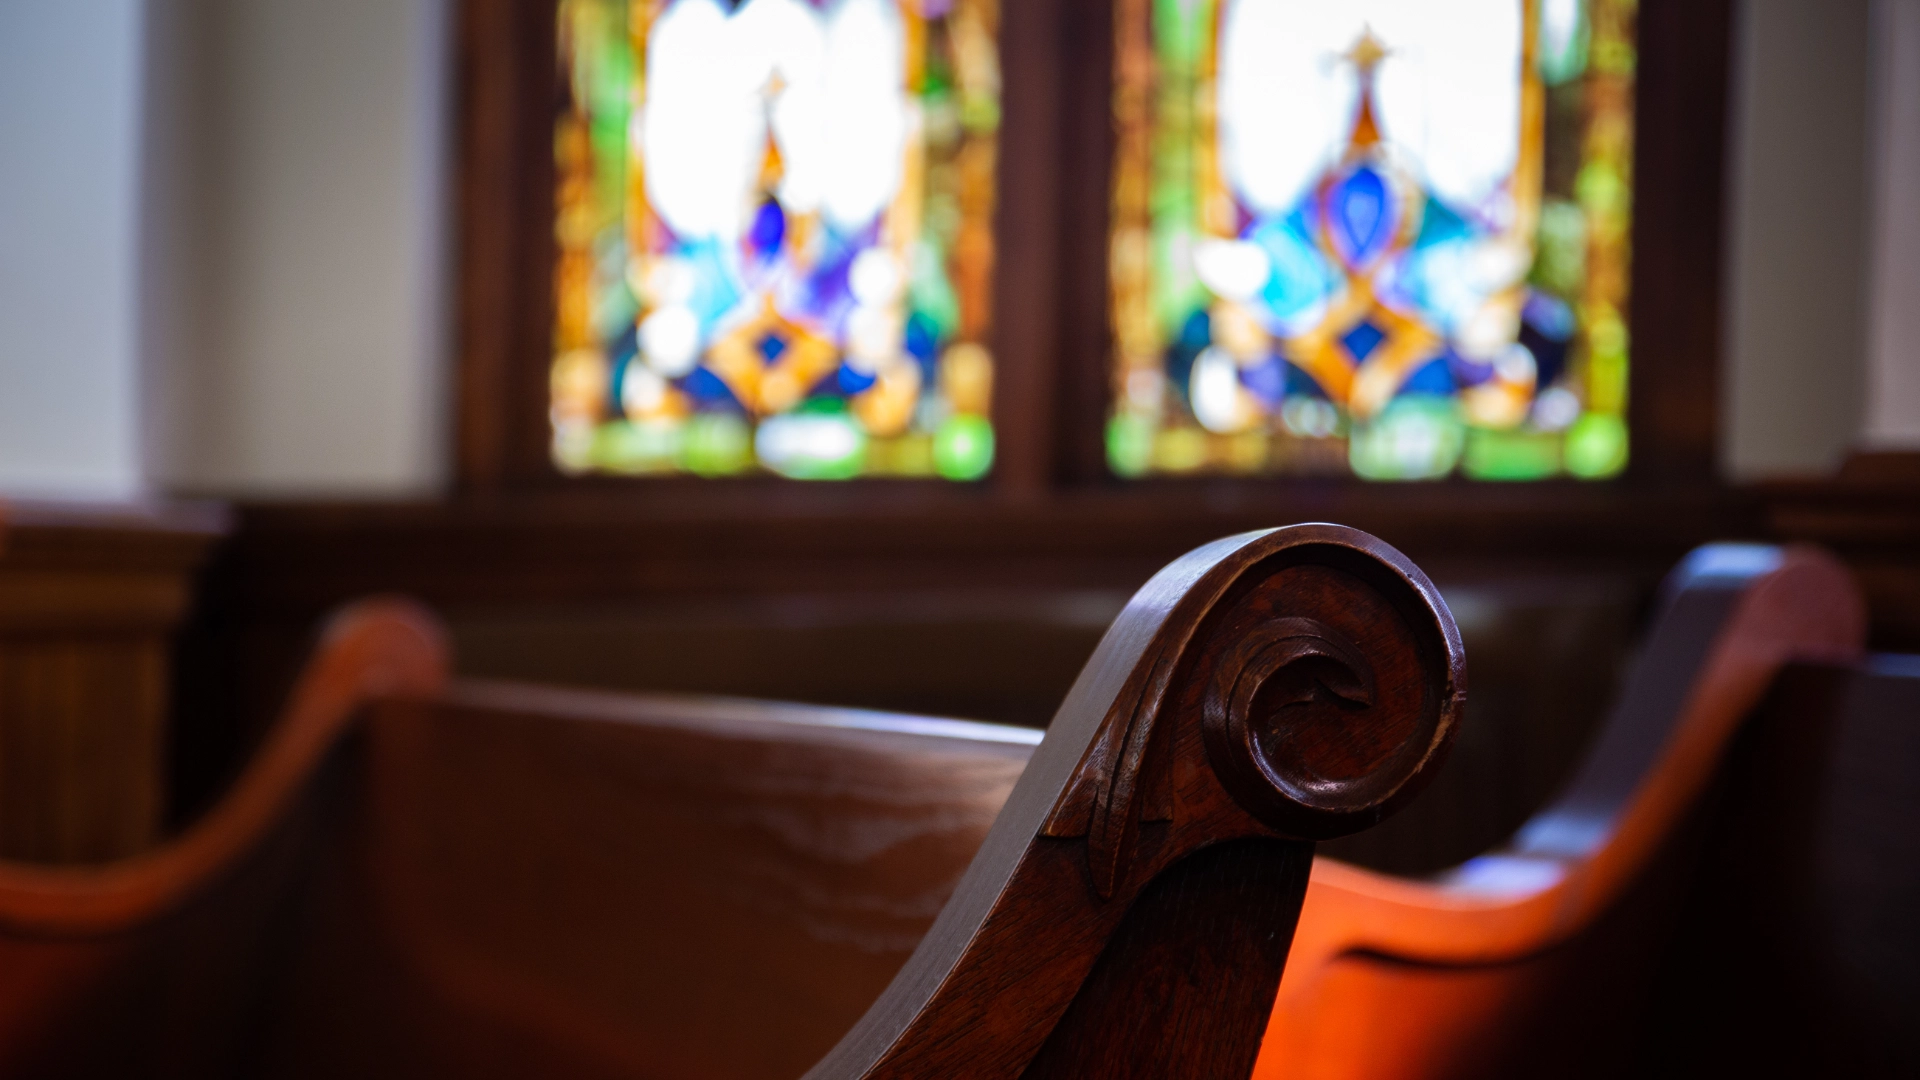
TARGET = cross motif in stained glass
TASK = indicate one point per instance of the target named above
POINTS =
(1378, 237)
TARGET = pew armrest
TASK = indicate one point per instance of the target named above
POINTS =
(381, 647)
(1130, 911)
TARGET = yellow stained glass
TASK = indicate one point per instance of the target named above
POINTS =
(1383, 238)
(774, 221)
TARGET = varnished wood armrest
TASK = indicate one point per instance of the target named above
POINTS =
(1130, 911)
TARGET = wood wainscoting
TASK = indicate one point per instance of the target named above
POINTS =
(90, 600)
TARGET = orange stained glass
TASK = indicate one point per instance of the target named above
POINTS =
(1381, 238)
(774, 221)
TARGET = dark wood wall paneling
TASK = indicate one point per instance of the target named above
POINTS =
(90, 600)
(508, 90)
(1870, 515)
(1679, 217)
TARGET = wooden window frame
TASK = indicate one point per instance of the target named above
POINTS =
(1051, 333)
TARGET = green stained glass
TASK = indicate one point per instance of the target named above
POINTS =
(1369, 280)
(774, 222)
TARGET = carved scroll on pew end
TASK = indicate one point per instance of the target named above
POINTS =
(1130, 912)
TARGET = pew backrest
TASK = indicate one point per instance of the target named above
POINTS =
(630, 885)
(1540, 956)
(488, 880)
(1801, 921)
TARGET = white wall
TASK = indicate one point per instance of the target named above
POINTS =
(1796, 271)
(303, 351)
(1893, 325)
(69, 246)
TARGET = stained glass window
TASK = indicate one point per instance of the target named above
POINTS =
(1385, 238)
(774, 221)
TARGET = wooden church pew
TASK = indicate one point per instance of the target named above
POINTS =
(1801, 921)
(1541, 958)
(417, 878)
(595, 884)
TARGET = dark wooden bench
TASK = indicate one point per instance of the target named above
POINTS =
(423, 878)
(1688, 905)
(1801, 920)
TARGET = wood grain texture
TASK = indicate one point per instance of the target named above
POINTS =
(1127, 785)
(488, 880)
(90, 598)
(631, 885)
(1222, 917)
(1481, 971)
(789, 862)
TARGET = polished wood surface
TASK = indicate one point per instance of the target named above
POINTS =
(90, 599)
(1272, 688)
(490, 880)
(1540, 951)
(570, 883)
(1801, 924)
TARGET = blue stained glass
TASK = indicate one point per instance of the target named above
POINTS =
(1196, 332)
(1266, 380)
(622, 353)
(715, 288)
(753, 198)
(1300, 277)
(1389, 196)
(923, 336)
(1440, 224)
(1468, 372)
(1550, 315)
(828, 291)
(1432, 377)
(1301, 384)
(1361, 216)
(769, 229)
(1550, 356)
(852, 382)
(709, 390)
(1362, 340)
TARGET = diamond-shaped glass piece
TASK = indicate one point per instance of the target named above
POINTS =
(1362, 340)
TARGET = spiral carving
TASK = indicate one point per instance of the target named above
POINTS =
(1261, 691)
(1324, 676)
(1318, 724)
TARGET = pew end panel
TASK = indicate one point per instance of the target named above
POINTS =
(1801, 921)
(1540, 955)
(1261, 693)
(599, 885)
